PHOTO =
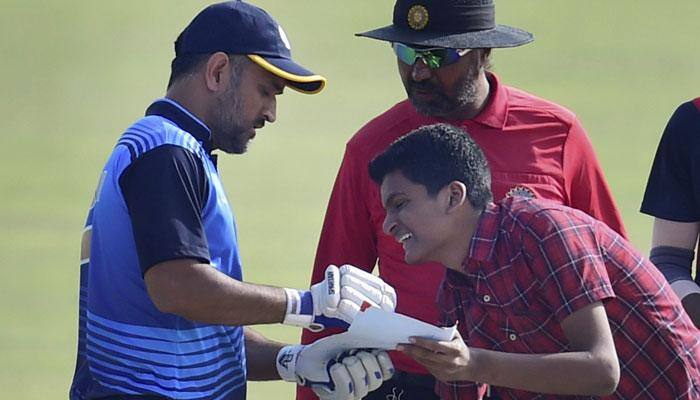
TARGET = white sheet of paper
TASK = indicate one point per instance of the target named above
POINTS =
(373, 328)
(376, 328)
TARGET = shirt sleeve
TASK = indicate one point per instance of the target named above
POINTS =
(563, 253)
(165, 191)
(674, 181)
(585, 183)
(347, 236)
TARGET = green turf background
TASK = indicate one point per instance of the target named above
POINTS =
(74, 74)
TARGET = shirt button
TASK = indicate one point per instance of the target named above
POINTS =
(487, 298)
(512, 337)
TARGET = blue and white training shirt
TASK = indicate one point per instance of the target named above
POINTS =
(159, 198)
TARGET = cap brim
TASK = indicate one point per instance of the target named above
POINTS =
(298, 77)
(501, 36)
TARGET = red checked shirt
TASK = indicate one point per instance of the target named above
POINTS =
(533, 263)
(534, 148)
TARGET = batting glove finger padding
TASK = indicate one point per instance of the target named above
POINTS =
(385, 363)
(358, 374)
(335, 301)
(358, 297)
(334, 375)
(375, 377)
(373, 288)
(344, 388)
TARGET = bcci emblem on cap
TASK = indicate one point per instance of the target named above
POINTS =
(418, 17)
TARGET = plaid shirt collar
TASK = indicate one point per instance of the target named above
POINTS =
(481, 248)
(483, 242)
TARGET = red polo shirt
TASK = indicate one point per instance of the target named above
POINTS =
(534, 148)
(533, 263)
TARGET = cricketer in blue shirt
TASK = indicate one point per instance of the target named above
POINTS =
(162, 302)
(131, 345)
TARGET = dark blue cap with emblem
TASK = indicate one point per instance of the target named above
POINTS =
(237, 27)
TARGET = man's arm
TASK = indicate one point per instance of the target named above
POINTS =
(683, 235)
(673, 246)
(671, 198)
(261, 353)
(585, 182)
(199, 292)
(165, 191)
(591, 368)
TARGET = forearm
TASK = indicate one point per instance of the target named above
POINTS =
(670, 240)
(581, 373)
(199, 292)
(683, 235)
(676, 265)
(260, 356)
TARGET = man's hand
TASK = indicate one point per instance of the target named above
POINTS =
(447, 361)
(336, 300)
(333, 376)
(354, 376)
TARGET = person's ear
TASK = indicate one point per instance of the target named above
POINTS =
(216, 72)
(484, 58)
(456, 195)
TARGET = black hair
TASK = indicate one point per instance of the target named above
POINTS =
(434, 156)
(186, 64)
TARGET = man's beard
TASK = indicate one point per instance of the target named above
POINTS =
(231, 133)
(444, 104)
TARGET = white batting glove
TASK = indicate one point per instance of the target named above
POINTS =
(356, 375)
(336, 300)
(333, 377)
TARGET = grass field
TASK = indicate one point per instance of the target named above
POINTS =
(74, 74)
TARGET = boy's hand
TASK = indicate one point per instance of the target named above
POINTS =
(447, 361)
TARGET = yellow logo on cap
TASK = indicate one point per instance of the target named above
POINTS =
(418, 17)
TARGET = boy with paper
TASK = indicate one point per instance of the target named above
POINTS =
(548, 300)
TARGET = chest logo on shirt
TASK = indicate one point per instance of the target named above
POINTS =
(522, 191)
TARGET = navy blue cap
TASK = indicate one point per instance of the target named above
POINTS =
(237, 27)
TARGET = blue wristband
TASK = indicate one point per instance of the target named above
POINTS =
(307, 302)
(320, 321)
